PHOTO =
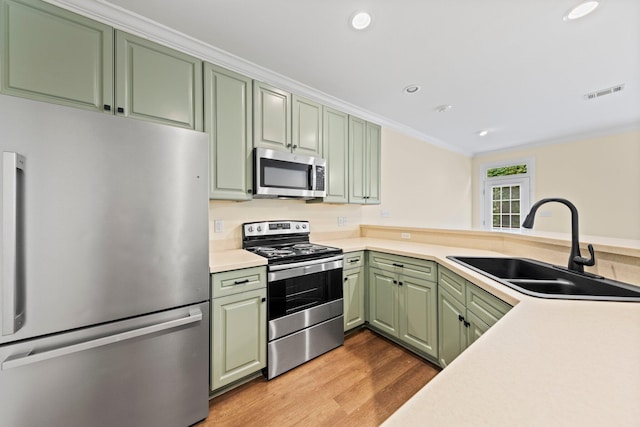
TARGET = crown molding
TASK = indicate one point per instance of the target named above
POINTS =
(122, 19)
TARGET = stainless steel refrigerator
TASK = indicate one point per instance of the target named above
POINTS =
(104, 283)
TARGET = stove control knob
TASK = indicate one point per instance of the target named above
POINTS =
(298, 226)
(250, 228)
(304, 226)
(259, 228)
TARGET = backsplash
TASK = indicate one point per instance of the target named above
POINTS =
(323, 218)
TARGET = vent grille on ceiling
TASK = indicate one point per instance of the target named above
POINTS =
(603, 92)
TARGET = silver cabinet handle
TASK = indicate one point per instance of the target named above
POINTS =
(193, 317)
(12, 179)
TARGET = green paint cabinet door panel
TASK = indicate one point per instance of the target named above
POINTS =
(271, 117)
(52, 55)
(335, 150)
(158, 84)
(353, 292)
(228, 110)
(485, 306)
(373, 156)
(357, 164)
(418, 314)
(383, 297)
(238, 336)
(306, 122)
(451, 330)
(476, 328)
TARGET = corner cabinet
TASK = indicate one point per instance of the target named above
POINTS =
(306, 127)
(465, 313)
(335, 149)
(228, 121)
(238, 325)
(364, 161)
(52, 55)
(353, 289)
(156, 83)
(403, 302)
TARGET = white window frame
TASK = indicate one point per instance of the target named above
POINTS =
(525, 180)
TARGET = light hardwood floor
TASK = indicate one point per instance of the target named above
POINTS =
(358, 384)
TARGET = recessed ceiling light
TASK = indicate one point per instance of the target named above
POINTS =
(443, 108)
(411, 89)
(581, 10)
(483, 132)
(361, 20)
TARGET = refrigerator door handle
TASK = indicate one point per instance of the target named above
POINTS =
(195, 315)
(12, 317)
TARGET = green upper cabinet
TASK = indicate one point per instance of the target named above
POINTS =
(364, 161)
(335, 149)
(306, 126)
(271, 117)
(228, 121)
(156, 83)
(52, 55)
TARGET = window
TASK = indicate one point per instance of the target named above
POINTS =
(506, 189)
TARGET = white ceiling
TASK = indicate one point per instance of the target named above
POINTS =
(511, 66)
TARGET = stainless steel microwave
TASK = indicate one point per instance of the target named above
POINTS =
(288, 175)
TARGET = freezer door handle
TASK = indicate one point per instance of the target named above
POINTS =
(16, 361)
(12, 307)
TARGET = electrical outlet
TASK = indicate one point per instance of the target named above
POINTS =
(405, 235)
(218, 226)
(344, 221)
(340, 221)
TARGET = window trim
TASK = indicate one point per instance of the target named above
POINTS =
(524, 179)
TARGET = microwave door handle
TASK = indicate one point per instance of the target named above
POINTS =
(312, 177)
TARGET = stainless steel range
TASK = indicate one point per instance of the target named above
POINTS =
(304, 293)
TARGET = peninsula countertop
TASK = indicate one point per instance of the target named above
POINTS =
(547, 362)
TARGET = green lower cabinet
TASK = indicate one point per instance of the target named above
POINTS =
(405, 308)
(353, 292)
(452, 332)
(465, 313)
(238, 336)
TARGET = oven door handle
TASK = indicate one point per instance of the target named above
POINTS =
(287, 271)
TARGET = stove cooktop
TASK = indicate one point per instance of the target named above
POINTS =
(293, 252)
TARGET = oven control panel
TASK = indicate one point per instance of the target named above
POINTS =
(269, 228)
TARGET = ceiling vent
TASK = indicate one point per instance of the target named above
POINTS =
(603, 92)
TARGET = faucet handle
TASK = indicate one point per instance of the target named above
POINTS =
(586, 261)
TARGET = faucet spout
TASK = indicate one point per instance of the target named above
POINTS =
(576, 261)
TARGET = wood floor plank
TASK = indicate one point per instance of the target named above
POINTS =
(358, 384)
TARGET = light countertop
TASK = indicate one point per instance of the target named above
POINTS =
(547, 362)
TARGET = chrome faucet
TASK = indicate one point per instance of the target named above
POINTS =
(576, 261)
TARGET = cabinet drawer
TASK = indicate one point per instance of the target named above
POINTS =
(353, 260)
(453, 283)
(484, 305)
(233, 282)
(414, 267)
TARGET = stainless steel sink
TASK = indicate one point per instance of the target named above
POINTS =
(544, 280)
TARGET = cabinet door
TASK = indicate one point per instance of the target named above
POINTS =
(52, 55)
(156, 83)
(373, 154)
(228, 121)
(271, 117)
(475, 329)
(418, 314)
(353, 292)
(239, 340)
(357, 164)
(451, 330)
(306, 121)
(335, 149)
(383, 301)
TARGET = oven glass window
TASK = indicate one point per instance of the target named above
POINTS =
(295, 294)
(281, 174)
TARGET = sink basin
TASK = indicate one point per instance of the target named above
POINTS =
(544, 280)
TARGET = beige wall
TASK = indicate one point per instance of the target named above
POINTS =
(601, 176)
(422, 185)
